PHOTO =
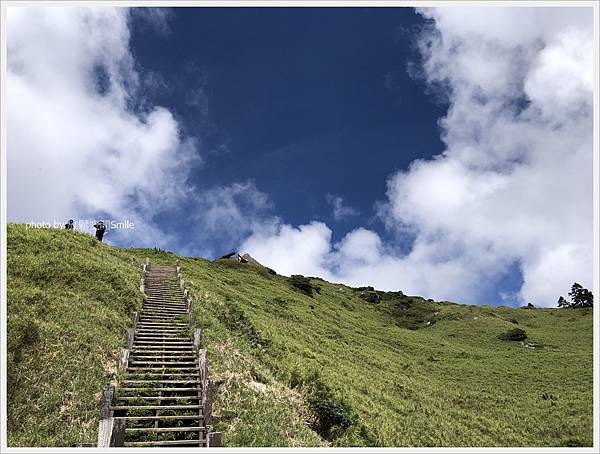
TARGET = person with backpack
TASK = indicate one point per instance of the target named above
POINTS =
(100, 229)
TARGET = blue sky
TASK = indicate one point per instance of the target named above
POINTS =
(304, 102)
(445, 152)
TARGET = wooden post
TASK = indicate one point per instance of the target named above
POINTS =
(105, 424)
(118, 432)
(130, 334)
(197, 339)
(124, 359)
(111, 432)
(202, 365)
(205, 386)
(136, 319)
(106, 400)
(207, 402)
(105, 432)
(213, 440)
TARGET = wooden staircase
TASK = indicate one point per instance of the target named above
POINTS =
(164, 398)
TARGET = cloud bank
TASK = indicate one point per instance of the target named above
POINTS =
(514, 185)
(78, 145)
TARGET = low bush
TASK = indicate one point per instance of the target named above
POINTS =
(370, 297)
(278, 301)
(513, 335)
(332, 414)
(363, 289)
(301, 283)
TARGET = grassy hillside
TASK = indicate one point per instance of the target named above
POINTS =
(292, 369)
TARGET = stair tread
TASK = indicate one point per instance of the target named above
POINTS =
(155, 407)
(163, 368)
(139, 388)
(166, 443)
(161, 381)
(160, 417)
(158, 398)
(166, 429)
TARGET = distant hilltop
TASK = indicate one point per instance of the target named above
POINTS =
(246, 258)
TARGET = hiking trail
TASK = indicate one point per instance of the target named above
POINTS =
(164, 396)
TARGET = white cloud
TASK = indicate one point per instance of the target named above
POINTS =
(292, 250)
(75, 148)
(225, 215)
(340, 211)
(514, 184)
(156, 19)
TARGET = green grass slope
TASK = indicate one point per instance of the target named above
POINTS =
(292, 369)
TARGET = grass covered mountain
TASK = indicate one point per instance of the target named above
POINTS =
(295, 362)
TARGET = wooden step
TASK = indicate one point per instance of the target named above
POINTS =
(161, 324)
(179, 359)
(162, 304)
(150, 343)
(164, 297)
(148, 418)
(172, 353)
(168, 374)
(162, 363)
(165, 327)
(155, 407)
(140, 338)
(153, 316)
(176, 342)
(165, 302)
(165, 330)
(161, 381)
(162, 331)
(136, 389)
(153, 377)
(200, 442)
(178, 325)
(165, 429)
(163, 368)
(162, 343)
(151, 355)
(155, 345)
(157, 294)
(193, 398)
(155, 310)
(150, 315)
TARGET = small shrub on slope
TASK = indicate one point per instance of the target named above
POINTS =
(516, 334)
(301, 283)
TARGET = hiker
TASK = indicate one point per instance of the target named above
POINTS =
(69, 225)
(100, 229)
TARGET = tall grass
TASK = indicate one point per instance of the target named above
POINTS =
(291, 369)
